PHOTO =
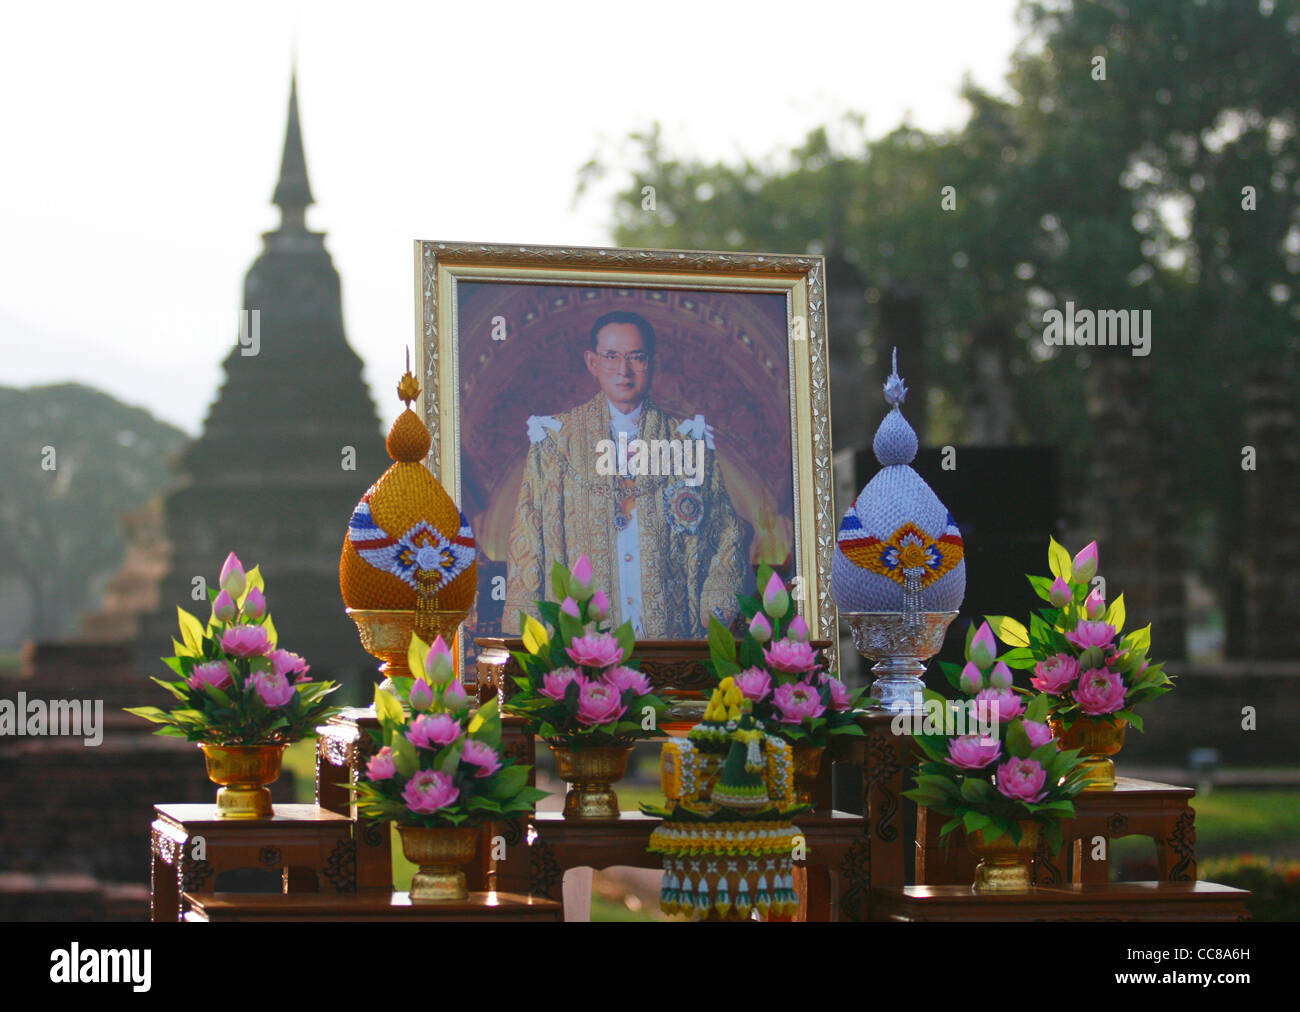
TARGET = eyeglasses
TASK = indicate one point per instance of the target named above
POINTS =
(638, 360)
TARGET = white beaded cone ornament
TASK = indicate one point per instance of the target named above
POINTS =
(898, 547)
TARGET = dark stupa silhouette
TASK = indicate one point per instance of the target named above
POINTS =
(289, 446)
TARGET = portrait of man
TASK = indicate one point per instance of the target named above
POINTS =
(646, 427)
(634, 488)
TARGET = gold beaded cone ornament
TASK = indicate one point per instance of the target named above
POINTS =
(408, 562)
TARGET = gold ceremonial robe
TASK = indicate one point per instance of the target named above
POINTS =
(691, 541)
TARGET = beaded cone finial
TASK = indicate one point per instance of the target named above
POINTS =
(898, 548)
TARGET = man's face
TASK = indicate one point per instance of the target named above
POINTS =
(623, 382)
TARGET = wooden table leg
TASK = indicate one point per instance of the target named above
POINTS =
(1176, 848)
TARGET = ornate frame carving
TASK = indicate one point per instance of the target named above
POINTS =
(440, 265)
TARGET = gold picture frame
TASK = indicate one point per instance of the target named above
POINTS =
(442, 268)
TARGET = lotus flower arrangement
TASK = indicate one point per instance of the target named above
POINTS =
(1093, 676)
(580, 687)
(992, 765)
(779, 672)
(1074, 648)
(581, 692)
(234, 684)
(439, 764)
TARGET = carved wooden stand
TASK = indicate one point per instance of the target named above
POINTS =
(1133, 808)
(190, 845)
(1122, 901)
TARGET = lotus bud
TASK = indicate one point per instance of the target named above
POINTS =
(570, 608)
(1094, 604)
(798, 629)
(580, 579)
(232, 578)
(1085, 563)
(455, 698)
(254, 605)
(1093, 657)
(598, 606)
(223, 607)
(438, 663)
(421, 696)
(776, 599)
(971, 681)
(983, 647)
(1059, 595)
(1001, 676)
(760, 628)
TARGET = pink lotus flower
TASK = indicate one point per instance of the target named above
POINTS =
(1085, 563)
(1054, 674)
(839, 694)
(595, 650)
(1037, 732)
(455, 698)
(796, 701)
(482, 755)
(232, 579)
(433, 731)
(798, 629)
(213, 673)
(555, 682)
(760, 628)
(580, 579)
(223, 607)
(1091, 634)
(570, 607)
(599, 703)
(274, 689)
(381, 765)
(776, 599)
(429, 791)
(283, 662)
(754, 684)
(971, 680)
(438, 663)
(1059, 596)
(1022, 780)
(254, 605)
(983, 647)
(1001, 676)
(421, 696)
(246, 641)
(1100, 691)
(791, 656)
(971, 752)
(623, 678)
(1003, 703)
(598, 606)
(1094, 605)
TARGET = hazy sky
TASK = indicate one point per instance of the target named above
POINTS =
(141, 143)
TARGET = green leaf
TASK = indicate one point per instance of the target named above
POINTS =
(1018, 743)
(1038, 708)
(1138, 641)
(448, 759)
(1115, 614)
(191, 630)
(1020, 658)
(1042, 586)
(974, 821)
(388, 708)
(626, 639)
(510, 782)
(974, 789)
(1008, 630)
(269, 626)
(722, 645)
(570, 628)
(150, 713)
(1131, 717)
(404, 755)
(1059, 561)
(559, 581)
(172, 687)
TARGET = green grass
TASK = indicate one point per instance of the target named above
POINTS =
(1248, 821)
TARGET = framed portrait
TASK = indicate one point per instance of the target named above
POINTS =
(664, 413)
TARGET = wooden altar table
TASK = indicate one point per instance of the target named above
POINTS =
(1121, 901)
(189, 846)
(481, 907)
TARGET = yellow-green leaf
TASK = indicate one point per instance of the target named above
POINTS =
(1008, 630)
(1115, 614)
(387, 707)
(487, 710)
(415, 654)
(183, 651)
(191, 630)
(535, 637)
(271, 634)
(1059, 561)
(404, 757)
